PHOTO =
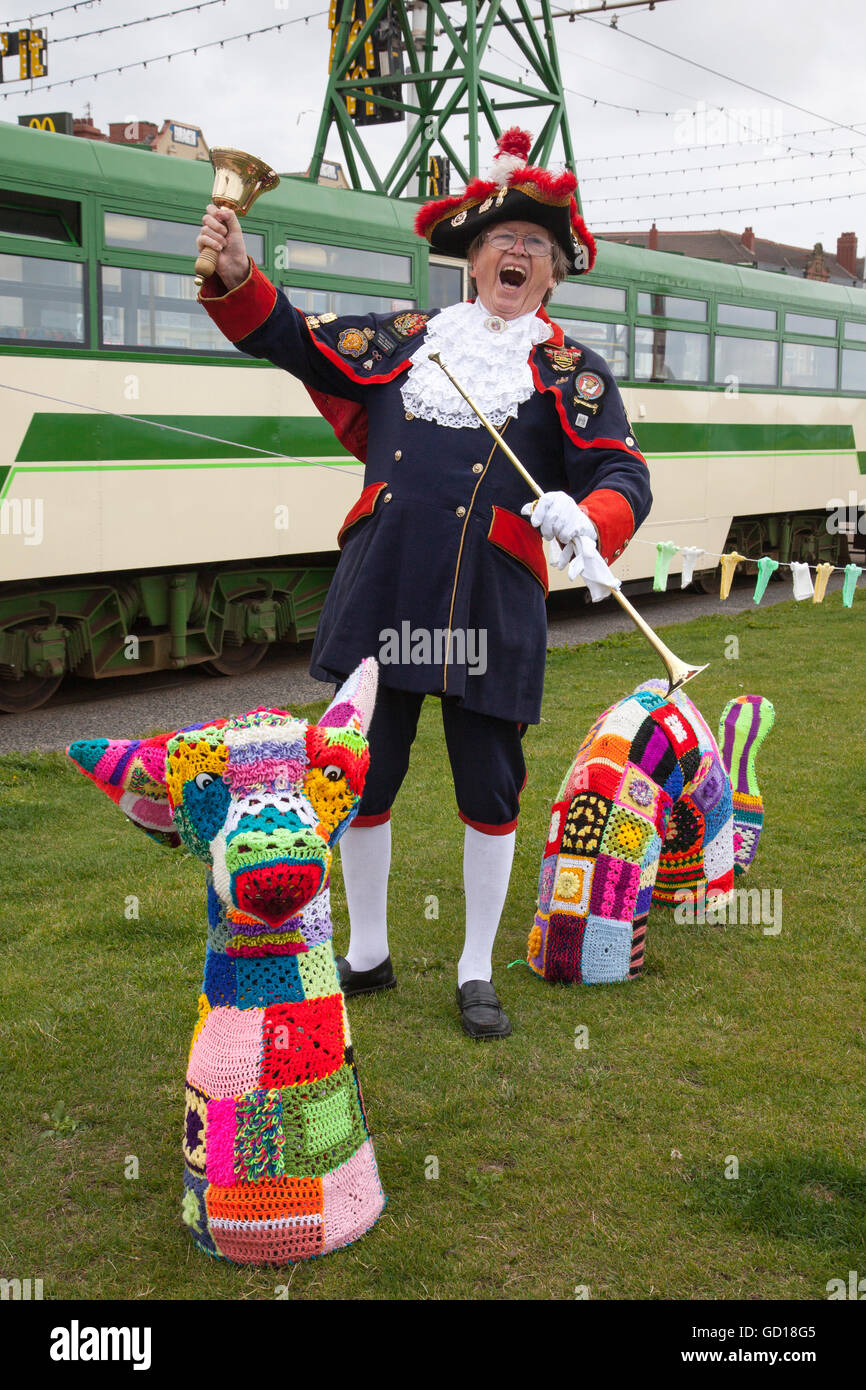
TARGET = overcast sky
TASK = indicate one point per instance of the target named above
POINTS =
(264, 95)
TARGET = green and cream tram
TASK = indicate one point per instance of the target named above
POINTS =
(166, 501)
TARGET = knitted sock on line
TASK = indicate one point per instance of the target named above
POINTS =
(365, 853)
(487, 863)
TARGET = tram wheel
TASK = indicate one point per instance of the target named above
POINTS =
(236, 661)
(21, 696)
(706, 581)
(804, 546)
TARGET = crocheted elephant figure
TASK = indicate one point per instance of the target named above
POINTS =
(278, 1161)
(652, 809)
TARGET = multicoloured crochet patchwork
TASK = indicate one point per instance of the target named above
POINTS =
(649, 808)
(278, 1161)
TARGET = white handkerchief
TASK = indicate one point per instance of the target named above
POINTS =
(587, 562)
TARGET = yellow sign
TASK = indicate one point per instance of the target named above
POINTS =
(29, 45)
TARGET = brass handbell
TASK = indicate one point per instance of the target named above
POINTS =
(239, 179)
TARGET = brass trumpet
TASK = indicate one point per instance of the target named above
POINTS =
(679, 672)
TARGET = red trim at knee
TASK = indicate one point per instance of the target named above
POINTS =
(489, 829)
(365, 822)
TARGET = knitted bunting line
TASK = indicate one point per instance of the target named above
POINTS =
(800, 572)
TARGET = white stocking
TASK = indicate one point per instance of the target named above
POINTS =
(487, 863)
(365, 853)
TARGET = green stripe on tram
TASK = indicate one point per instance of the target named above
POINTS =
(103, 438)
(659, 437)
(861, 460)
(54, 436)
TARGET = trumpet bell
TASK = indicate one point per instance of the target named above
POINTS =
(679, 673)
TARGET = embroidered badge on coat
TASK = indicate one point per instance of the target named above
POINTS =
(564, 359)
(352, 342)
(588, 391)
(407, 325)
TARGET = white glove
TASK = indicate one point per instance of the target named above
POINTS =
(559, 517)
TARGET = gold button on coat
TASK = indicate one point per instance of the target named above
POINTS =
(398, 454)
(477, 467)
(461, 511)
(409, 415)
(387, 497)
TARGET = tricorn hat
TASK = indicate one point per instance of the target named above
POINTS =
(514, 191)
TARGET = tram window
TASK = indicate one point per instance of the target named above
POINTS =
(315, 259)
(41, 301)
(610, 340)
(666, 354)
(580, 296)
(853, 370)
(672, 306)
(168, 238)
(808, 323)
(446, 285)
(855, 331)
(156, 310)
(808, 366)
(333, 302)
(745, 316)
(751, 360)
(42, 219)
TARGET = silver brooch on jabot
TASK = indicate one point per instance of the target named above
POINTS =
(494, 324)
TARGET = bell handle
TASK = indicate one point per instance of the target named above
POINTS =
(205, 264)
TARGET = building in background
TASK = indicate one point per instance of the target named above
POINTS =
(845, 268)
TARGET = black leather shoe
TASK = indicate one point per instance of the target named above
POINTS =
(480, 1010)
(365, 981)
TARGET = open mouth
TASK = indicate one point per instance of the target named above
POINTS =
(512, 275)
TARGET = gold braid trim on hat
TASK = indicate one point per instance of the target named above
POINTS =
(455, 212)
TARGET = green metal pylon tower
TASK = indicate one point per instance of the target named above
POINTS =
(387, 64)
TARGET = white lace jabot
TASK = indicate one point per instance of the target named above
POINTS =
(493, 366)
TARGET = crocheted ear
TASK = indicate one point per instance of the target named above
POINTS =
(132, 773)
(352, 706)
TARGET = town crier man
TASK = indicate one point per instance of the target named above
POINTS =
(444, 544)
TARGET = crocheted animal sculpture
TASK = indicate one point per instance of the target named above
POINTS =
(278, 1162)
(651, 807)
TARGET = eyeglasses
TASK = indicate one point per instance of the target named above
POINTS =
(506, 241)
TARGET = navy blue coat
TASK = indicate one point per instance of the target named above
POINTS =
(436, 544)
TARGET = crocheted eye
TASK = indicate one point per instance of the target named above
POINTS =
(203, 780)
(333, 773)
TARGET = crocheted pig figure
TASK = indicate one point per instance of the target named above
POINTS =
(650, 811)
(278, 1162)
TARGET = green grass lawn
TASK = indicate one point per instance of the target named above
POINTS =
(558, 1166)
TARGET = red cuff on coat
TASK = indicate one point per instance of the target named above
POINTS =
(240, 311)
(613, 519)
